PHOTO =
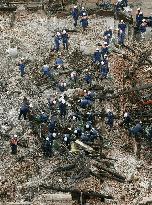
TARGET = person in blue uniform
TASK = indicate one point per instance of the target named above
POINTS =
(22, 68)
(103, 69)
(46, 71)
(122, 26)
(97, 56)
(57, 41)
(84, 22)
(121, 37)
(83, 12)
(65, 38)
(75, 15)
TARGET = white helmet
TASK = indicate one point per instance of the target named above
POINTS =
(54, 101)
(54, 134)
(108, 110)
(64, 31)
(63, 101)
(102, 62)
(65, 138)
(82, 8)
(47, 139)
(74, 117)
(75, 7)
(58, 34)
(15, 136)
(126, 114)
(87, 126)
(45, 66)
(97, 49)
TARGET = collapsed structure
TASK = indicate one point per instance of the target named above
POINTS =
(101, 171)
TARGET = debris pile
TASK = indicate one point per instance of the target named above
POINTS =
(102, 170)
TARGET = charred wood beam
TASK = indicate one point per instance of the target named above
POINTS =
(114, 175)
(8, 8)
(143, 56)
(75, 191)
(97, 175)
(105, 175)
(123, 92)
(67, 167)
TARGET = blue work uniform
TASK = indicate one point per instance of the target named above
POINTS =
(122, 26)
(143, 28)
(22, 69)
(137, 130)
(24, 109)
(75, 15)
(97, 57)
(110, 119)
(139, 18)
(104, 51)
(88, 78)
(65, 40)
(84, 23)
(45, 71)
(103, 70)
(85, 103)
(121, 38)
(57, 41)
(83, 13)
(59, 61)
(62, 108)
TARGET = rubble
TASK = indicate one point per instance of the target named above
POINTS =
(112, 172)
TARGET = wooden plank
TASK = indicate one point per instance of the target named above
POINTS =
(84, 146)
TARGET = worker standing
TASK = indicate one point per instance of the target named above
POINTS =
(62, 108)
(97, 56)
(75, 15)
(65, 38)
(22, 68)
(139, 18)
(110, 118)
(121, 37)
(84, 19)
(24, 109)
(84, 22)
(57, 40)
(47, 147)
(122, 26)
(143, 28)
(136, 132)
(104, 50)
